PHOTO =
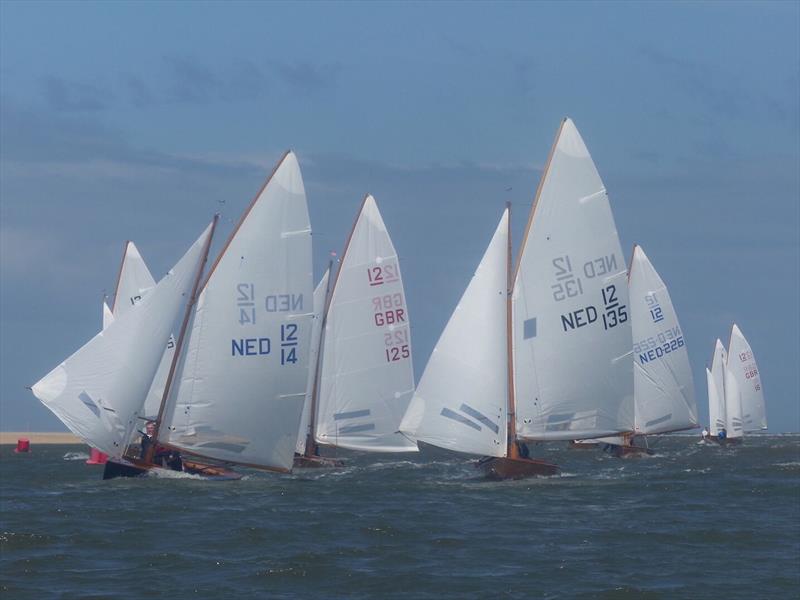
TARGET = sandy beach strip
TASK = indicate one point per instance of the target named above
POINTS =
(39, 437)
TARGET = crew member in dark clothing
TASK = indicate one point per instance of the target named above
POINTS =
(161, 456)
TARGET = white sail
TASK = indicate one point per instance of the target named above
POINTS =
(716, 406)
(133, 283)
(662, 377)
(320, 297)
(98, 392)
(716, 402)
(108, 316)
(573, 373)
(367, 376)
(733, 405)
(742, 363)
(241, 377)
(461, 401)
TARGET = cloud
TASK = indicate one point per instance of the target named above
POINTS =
(64, 95)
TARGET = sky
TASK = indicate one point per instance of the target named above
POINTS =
(140, 120)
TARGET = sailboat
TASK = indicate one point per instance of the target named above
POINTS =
(236, 386)
(663, 385)
(565, 358)
(735, 395)
(99, 391)
(364, 378)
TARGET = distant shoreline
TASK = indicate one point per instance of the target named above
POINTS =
(40, 437)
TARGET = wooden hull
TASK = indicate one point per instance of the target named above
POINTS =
(137, 468)
(316, 462)
(515, 468)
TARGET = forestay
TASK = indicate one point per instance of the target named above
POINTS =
(133, 283)
(320, 298)
(461, 401)
(573, 373)
(742, 363)
(98, 392)
(242, 372)
(716, 396)
(662, 377)
(367, 376)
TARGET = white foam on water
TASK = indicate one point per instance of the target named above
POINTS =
(76, 456)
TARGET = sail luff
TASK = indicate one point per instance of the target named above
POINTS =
(181, 336)
(310, 447)
(536, 198)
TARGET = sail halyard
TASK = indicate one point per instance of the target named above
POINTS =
(179, 344)
(312, 448)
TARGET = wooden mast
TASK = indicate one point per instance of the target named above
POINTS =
(312, 449)
(512, 451)
(179, 344)
(315, 390)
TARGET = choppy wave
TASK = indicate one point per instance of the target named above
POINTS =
(76, 456)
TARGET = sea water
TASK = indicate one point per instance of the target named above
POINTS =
(692, 521)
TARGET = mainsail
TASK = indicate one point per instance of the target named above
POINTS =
(320, 300)
(573, 373)
(461, 401)
(662, 377)
(241, 375)
(367, 377)
(99, 391)
(133, 283)
(742, 364)
(716, 390)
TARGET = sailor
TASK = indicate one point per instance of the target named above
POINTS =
(722, 434)
(704, 433)
(161, 455)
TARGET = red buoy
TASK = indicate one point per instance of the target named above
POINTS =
(23, 445)
(97, 457)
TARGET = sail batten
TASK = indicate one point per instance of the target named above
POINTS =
(573, 368)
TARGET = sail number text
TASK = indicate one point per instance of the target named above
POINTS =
(570, 285)
(613, 312)
(262, 346)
